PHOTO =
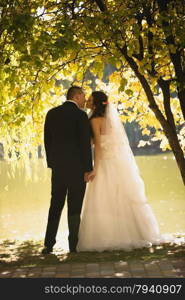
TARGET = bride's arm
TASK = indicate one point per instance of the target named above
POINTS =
(95, 123)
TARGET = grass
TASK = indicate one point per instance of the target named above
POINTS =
(27, 254)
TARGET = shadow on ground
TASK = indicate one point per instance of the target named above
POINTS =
(28, 253)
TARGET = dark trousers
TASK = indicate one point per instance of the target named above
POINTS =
(75, 194)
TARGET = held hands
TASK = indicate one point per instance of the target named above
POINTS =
(92, 175)
(89, 176)
(86, 176)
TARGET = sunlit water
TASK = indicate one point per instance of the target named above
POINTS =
(24, 203)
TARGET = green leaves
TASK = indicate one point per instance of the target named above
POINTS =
(113, 61)
(123, 84)
(45, 41)
(6, 117)
(129, 92)
(97, 68)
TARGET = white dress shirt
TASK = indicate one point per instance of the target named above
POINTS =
(74, 102)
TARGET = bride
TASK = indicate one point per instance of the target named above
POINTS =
(115, 213)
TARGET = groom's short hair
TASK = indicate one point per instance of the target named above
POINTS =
(72, 91)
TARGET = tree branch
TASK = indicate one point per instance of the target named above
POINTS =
(101, 5)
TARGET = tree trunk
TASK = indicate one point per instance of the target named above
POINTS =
(177, 151)
(168, 124)
(175, 57)
(171, 132)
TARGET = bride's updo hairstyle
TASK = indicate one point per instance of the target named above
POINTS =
(100, 101)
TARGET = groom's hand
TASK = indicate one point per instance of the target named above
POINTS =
(86, 176)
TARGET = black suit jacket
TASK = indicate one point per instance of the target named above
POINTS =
(67, 141)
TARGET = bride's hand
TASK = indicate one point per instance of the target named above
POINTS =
(91, 175)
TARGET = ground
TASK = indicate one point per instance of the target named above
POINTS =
(23, 259)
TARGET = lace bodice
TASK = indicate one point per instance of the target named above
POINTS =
(112, 149)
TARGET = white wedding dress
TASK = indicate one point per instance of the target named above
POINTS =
(115, 213)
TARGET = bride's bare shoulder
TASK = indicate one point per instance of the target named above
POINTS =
(97, 119)
(98, 124)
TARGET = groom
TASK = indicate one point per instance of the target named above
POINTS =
(68, 154)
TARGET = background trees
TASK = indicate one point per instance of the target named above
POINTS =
(44, 41)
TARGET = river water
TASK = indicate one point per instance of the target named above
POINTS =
(25, 197)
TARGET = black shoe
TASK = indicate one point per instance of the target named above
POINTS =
(72, 251)
(47, 250)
